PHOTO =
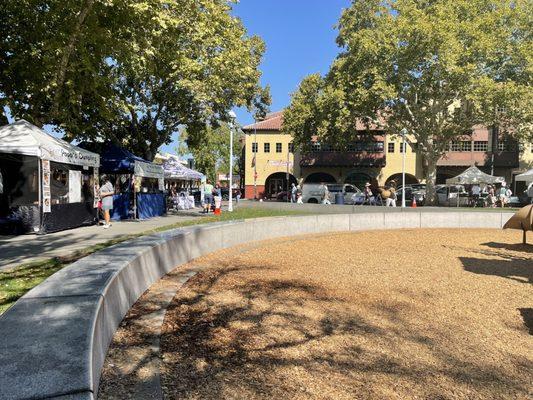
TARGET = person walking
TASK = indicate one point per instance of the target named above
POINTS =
(106, 195)
(502, 194)
(293, 193)
(324, 191)
(369, 196)
(476, 192)
(208, 196)
(299, 199)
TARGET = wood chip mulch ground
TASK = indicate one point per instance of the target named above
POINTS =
(410, 314)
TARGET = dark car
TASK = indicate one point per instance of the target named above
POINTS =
(225, 193)
(417, 191)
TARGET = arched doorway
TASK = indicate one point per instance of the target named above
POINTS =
(318, 177)
(277, 182)
(409, 179)
(359, 179)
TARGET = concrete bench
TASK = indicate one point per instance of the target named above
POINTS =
(54, 340)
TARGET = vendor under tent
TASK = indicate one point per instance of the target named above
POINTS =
(179, 173)
(138, 183)
(47, 184)
(473, 176)
(525, 177)
(180, 180)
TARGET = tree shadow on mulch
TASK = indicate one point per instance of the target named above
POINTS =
(527, 315)
(520, 247)
(269, 335)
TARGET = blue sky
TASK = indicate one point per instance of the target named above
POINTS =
(300, 40)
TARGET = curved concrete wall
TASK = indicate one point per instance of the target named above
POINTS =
(54, 339)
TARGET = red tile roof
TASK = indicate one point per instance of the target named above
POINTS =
(272, 122)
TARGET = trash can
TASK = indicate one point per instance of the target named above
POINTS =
(339, 198)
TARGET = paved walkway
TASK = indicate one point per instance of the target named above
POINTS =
(15, 250)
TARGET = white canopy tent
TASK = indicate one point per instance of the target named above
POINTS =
(472, 176)
(58, 180)
(24, 138)
(525, 177)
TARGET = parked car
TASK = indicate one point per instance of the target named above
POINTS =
(225, 193)
(311, 193)
(417, 191)
(452, 195)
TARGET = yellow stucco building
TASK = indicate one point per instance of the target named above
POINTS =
(271, 165)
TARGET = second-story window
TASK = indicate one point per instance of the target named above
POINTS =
(278, 147)
(254, 147)
(390, 147)
(315, 147)
(480, 145)
(466, 145)
(291, 147)
(403, 147)
(266, 147)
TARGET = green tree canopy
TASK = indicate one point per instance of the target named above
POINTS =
(132, 71)
(211, 154)
(433, 67)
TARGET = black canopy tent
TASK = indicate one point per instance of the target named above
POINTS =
(47, 184)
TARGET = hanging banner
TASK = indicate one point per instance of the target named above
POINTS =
(74, 186)
(161, 184)
(47, 205)
(96, 187)
(47, 201)
(278, 163)
(148, 170)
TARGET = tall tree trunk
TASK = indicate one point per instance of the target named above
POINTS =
(431, 178)
(69, 49)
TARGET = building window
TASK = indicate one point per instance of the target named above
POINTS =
(291, 147)
(378, 147)
(403, 147)
(390, 147)
(455, 146)
(315, 147)
(278, 147)
(266, 147)
(481, 146)
(461, 146)
(254, 147)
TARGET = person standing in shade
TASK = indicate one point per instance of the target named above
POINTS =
(208, 196)
(106, 195)
(529, 192)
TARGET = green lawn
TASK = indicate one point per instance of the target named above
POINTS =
(14, 283)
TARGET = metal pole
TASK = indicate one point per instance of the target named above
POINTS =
(254, 154)
(230, 205)
(403, 168)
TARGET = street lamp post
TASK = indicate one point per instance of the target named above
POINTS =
(403, 132)
(231, 126)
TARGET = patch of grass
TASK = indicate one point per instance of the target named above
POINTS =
(15, 282)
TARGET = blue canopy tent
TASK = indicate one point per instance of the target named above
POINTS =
(139, 183)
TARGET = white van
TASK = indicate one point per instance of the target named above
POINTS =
(311, 193)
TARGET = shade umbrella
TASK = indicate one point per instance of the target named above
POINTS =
(522, 220)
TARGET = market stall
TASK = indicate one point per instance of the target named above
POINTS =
(181, 181)
(138, 183)
(46, 184)
(470, 176)
(473, 176)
